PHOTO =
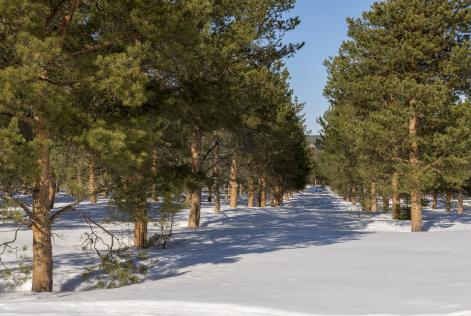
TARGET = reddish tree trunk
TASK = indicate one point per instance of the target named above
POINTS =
(373, 197)
(251, 192)
(195, 190)
(415, 193)
(278, 195)
(154, 170)
(217, 196)
(354, 195)
(233, 184)
(42, 246)
(92, 188)
(385, 203)
(140, 224)
(448, 201)
(263, 194)
(396, 204)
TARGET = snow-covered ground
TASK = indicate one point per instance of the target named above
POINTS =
(317, 255)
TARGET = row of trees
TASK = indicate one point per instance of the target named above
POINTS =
(399, 122)
(142, 99)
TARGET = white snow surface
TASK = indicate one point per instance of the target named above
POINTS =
(316, 255)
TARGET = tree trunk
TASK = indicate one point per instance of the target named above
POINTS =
(217, 196)
(92, 182)
(434, 200)
(373, 197)
(263, 193)
(140, 224)
(385, 202)
(416, 211)
(195, 190)
(251, 195)
(415, 194)
(272, 197)
(354, 196)
(363, 203)
(233, 184)
(154, 170)
(396, 202)
(259, 198)
(42, 246)
(367, 200)
(210, 193)
(286, 197)
(460, 202)
(241, 190)
(448, 201)
(278, 195)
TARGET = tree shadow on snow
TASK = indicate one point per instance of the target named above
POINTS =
(309, 219)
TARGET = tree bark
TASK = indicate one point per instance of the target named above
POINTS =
(210, 193)
(272, 197)
(217, 196)
(278, 201)
(373, 197)
(251, 192)
(92, 182)
(42, 246)
(140, 224)
(263, 192)
(233, 184)
(416, 194)
(367, 199)
(286, 197)
(460, 202)
(354, 196)
(434, 200)
(195, 190)
(154, 170)
(385, 202)
(259, 197)
(396, 202)
(448, 201)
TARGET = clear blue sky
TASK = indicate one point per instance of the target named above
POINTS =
(323, 28)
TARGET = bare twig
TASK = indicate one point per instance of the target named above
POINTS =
(7, 245)
(62, 210)
(93, 238)
(215, 145)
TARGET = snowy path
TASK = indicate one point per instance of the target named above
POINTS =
(312, 257)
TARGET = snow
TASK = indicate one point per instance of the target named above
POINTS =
(317, 255)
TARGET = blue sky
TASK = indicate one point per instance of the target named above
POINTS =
(323, 28)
